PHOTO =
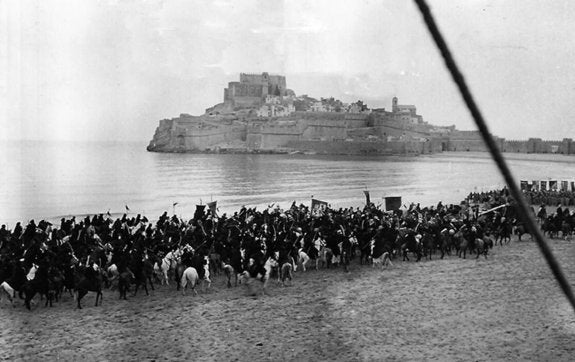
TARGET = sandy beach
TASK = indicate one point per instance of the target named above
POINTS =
(507, 307)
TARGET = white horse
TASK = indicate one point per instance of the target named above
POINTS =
(303, 259)
(169, 263)
(113, 274)
(230, 272)
(268, 266)
(286, 273)
(382, 260)
(190, 276)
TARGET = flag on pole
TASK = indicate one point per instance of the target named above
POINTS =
(213, 206)
(318, 207)
(553, 185)
(367, 201)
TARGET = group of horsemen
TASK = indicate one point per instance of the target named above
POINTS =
(248, 238)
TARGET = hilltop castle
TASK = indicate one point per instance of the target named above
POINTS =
(252, 89)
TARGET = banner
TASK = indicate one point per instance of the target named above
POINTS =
(524, 185)
(543, 185)
(572, 186)
(564, 185)
(392, 203)
(553, 185)
(318, 207)
(367, 201)
(199, 214)
(535, 186)
(213, 206)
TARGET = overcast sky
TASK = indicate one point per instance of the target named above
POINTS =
(110, 70)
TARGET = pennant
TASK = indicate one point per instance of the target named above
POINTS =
(127, 208)
(175, 203)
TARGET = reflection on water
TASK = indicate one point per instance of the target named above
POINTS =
(46, 180)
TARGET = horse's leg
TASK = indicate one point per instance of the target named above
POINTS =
(29, 296)
(10, 292)
(145, 286)
(81, 294)
(165, 275)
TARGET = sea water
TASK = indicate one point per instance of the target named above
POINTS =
(49, 180)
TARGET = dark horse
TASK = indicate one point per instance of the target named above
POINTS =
(408, 243)
(143, 270)
(88, 280)
(41, 284)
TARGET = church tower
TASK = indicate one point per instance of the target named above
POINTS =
(394, 105)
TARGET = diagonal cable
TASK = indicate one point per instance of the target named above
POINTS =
(523, 208)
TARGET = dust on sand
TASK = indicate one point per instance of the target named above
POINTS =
(507, 307)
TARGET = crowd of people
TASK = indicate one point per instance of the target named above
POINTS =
(77, 250)
(532, 196)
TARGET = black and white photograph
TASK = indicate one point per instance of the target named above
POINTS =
(287, 180)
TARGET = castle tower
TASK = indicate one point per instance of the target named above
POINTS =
(394, 105)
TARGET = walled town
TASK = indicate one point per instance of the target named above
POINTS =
(259, 114)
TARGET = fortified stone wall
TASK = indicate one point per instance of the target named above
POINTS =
(326, 132)
(537, 145)
(363, 147)
(271, 136)
(341, 147)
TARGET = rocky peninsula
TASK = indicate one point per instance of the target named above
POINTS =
(259, 114)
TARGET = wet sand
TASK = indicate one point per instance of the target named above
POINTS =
(507, 307)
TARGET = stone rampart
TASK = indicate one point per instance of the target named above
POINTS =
(537, 145)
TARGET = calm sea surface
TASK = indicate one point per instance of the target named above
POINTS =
(50, 180)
